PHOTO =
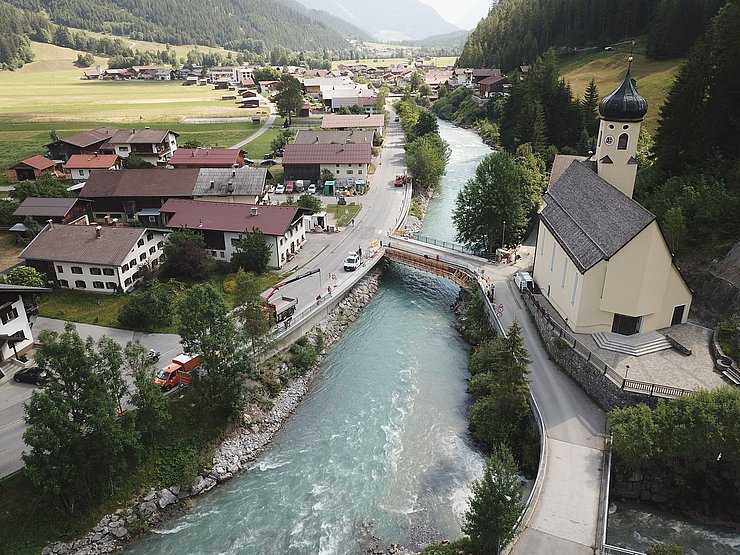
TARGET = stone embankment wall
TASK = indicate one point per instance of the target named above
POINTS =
(591, 379)
(233, 456)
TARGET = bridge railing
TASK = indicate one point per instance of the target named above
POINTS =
(446, 244)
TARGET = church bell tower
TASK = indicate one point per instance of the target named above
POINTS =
(621, 112)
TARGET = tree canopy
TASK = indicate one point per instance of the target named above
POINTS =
(185, 254)
(289, 96)
(251, 252)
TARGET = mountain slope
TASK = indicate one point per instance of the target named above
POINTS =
(248, 24)
(387, 19)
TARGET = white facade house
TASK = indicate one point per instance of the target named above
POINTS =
(15, 328)
(100, 259)
(155, 146)
(222, 224)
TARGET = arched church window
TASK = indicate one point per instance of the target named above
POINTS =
(623, 139)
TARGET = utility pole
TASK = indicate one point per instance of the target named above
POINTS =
(503, 232)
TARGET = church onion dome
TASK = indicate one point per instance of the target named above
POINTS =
(624, 103)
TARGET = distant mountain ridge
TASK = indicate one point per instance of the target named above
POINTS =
(388, 20)
(455, 38)
(236, 24)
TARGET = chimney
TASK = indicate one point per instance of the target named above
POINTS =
(317, 139)
(233, 173)
(255, 210)
(212, 183)
(97, 231)
(230, 186)
(51, 224)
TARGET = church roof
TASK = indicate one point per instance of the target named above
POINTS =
(590, 219)
(624, 103)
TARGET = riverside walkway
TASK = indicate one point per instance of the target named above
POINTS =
(563, 513)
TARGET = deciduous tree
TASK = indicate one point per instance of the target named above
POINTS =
(152, 414)
(289, 98)
(185, 254)
(251, 252)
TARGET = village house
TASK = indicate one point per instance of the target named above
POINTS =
(155, 146)
(344, 161)
(100, 259)
(374, 122)
(73, 211)
(267, 87)
(16, 337)
(33, 169)
(244, 185)
(79, 166)
(207, 158)
(494, 85)
(223, 224)
(136, 195)
(601, 259)
(88, 142)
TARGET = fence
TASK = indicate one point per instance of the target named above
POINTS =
(446, 244)
(633, 386)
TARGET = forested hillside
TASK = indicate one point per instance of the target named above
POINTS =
(18, 27)
(252, 25)
(517, 31)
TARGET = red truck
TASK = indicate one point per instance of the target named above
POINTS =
(177, 372)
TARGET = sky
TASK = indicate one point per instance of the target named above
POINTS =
(463, 13)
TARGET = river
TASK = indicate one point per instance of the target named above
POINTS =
(379, 447)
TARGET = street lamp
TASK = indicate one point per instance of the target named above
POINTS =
(626, 372)
(503, 231)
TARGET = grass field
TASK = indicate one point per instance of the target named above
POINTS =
(654, 77)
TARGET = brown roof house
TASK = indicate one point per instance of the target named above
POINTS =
(155, 146)
(79, 166)
(493, 85)
(207, 158)
(72, 211)
(88, 142)
(101, 259)
(34, 168)
(223, 224)
(344, 161)
(374, 122)
(136, 195)
(333, 136)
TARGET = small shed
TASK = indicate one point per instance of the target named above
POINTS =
(329, 187)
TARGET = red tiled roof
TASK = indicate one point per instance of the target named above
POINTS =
(334, 121)
(39, 162)
(328, 154)
(201, 156)
(91, 161)
(226, 216)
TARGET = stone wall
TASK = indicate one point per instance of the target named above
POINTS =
(584, 371)
(232, 456)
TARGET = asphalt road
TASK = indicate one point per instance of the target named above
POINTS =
(14, 395)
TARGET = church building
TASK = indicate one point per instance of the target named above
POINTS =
(601, 259)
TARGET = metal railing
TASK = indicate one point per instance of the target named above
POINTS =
(445, 244)
(632, 386)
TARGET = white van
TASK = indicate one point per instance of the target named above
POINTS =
(523, 281)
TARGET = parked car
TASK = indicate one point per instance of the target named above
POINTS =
(278, 153)
(312, 188)
(352, 262)
(289, 188)
(269, 162)
(279, 189)
(248, 162)
(34, 375)
(267, 156)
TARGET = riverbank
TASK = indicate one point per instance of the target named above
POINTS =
(114, 531)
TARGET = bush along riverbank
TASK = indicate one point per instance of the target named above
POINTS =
(261, 420)
(501, 422)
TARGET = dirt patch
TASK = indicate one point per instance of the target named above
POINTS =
(9, 251)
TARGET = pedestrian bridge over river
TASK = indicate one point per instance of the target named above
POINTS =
(564, 513)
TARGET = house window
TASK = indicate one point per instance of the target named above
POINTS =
(142, 257)
(155, 263)
(221, 254)
(359, 172)
(152, 219)
(98, 285)
(124, 268)
(160, 245)
(552, 257)
(80, 284)
(76, 270)
(565, 273)
(111, 285)
(575, 288)
(95, 271)
(152, 250)
(60, 270)
(123, 148)
(149, 236)
(140, 243)
(337, 165)
(349, 172)
(127, 282)
(623, 140)
(63, 283)
(8, 314)
(214, 254)
(109, 272)
(82, 173)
